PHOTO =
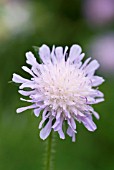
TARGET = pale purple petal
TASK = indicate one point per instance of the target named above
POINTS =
(37, 96)
(58, 114)
(75, 111)
(80, 113)
(26, 93)
(66, 48)
(99, 93)
(59, 53)
(53, 113)
(78, 65)
(81, 56)
(96, 93)
(45, 115)
(96, 80)
(99, 100)
(31, 101)
(36, 70)
(44, 53)
(18, 79)
(67, 114)
(37, 111)
(88, 122)
(61, 134)
(28, 70)
(31, 59)
(91, 110)
(75, 51)
(44, 133)
(72, 124)
(94, 101)
(22, 109)
(59, 128)
(71, 133)
(73, 137)
(52, 55)
(85, 63)
(57, 122)
(91, 67)
(29, 84)
(96, 115)
(77, 61)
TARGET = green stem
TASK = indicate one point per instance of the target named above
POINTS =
(49, 153)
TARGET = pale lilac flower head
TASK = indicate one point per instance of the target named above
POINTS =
(62, 88)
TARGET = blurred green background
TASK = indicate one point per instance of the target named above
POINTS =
(25, 23)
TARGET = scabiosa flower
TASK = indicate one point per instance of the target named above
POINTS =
(62, 88)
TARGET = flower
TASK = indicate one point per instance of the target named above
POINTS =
(99, 12)
(62, 88)
(103, 48)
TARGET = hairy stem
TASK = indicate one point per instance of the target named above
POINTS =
(49, 152)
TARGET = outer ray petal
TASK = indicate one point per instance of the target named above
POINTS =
(44, 133)
(18, 79)
(44, 53)
(75, 52)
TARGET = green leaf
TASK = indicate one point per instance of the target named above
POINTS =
(36, 50)
(10, 81)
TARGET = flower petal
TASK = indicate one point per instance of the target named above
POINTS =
(45, 115)
(26, 93)
(66, 48)
(61, 134)
(56, 123)
(59, 128)
(31, 101)
(31, 59)
(44, 133)
(99, 100)
(22, 109)
(91, 67)
(75, 52)
(96, 115)
(29, 84)
(85, 63)
(37, 111)
(28, 70)
(71, 133)
(88, 123)
(44, 53)
(18, 79)
(59, 53)
(72, 124)
(96, 80)
(53, 57)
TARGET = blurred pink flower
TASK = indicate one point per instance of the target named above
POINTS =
(103, 50)
(99, 12)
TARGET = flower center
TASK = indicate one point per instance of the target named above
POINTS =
(63, 86)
